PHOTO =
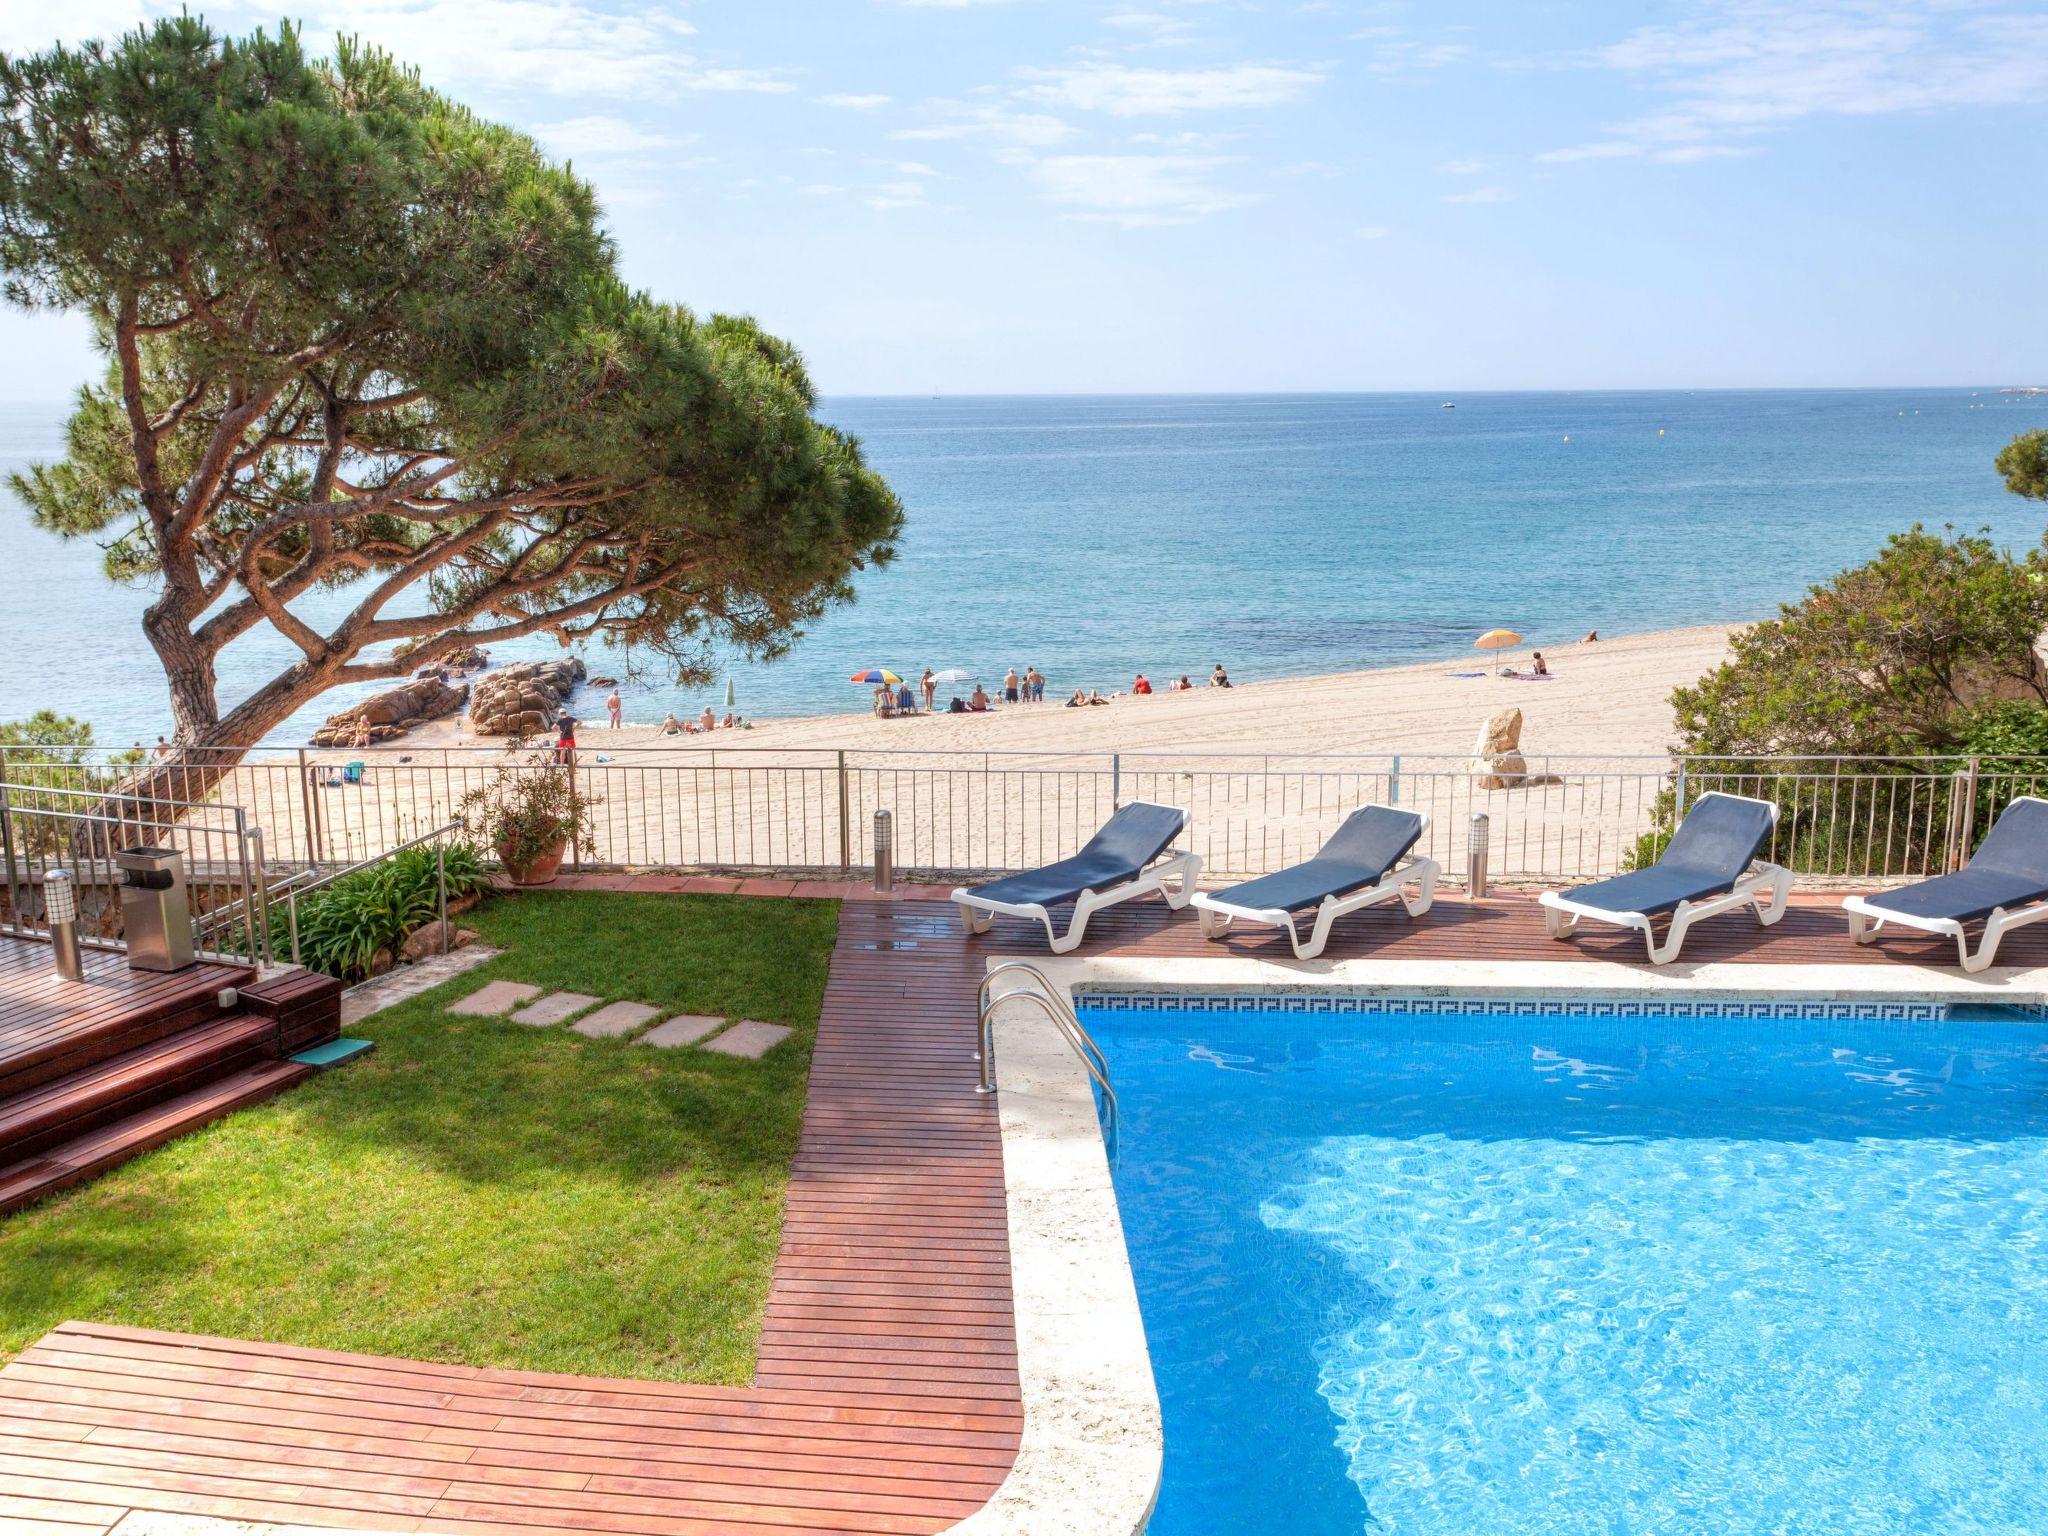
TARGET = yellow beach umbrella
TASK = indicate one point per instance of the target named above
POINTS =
(1496, 640)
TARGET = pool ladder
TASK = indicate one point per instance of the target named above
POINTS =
(1053, 1003)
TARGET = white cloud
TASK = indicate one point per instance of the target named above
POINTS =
(1462, 167)
(1371, 232)
(1480, 195)
(854, 101)
(1127, 91)
(1135, 191)
(898, 194)
(600, 135)
(1392, 53)
(913, 168)
(1738, 69)
(27, 26)
(996, 125)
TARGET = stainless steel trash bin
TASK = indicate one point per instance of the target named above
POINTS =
(156, 913)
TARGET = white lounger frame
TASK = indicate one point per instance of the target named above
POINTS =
(978, 912)
(1767, 887)
(1865, 920)
(1217, 914)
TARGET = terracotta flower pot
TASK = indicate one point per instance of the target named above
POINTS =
(539, 870)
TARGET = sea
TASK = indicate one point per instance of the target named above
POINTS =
(1097, 537)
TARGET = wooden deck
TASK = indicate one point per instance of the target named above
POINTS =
(48, 1026)
(886, 1395)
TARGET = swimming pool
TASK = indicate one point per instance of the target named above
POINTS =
(1435, 1268)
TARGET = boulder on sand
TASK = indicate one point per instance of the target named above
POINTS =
(1497, 760)
(522, 700)
(394, 712)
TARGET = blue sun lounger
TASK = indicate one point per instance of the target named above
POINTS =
(2003, 886)
(1115, 865)
(1710, 866)
(1365, 862)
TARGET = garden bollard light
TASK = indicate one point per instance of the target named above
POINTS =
(1475, 856)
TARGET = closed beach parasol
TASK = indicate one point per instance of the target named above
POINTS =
(876, 675)
(732, 696)
(1496, 640)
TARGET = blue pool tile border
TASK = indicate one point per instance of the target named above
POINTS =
(1889, 1012)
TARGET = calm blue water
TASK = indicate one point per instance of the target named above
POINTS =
(1581, 1277)
(1282, 535)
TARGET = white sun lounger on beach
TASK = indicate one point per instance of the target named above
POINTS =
(1365, 862)
(2003, 886)
(1116, 864)
(1710, 866)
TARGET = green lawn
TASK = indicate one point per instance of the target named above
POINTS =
(479, 1191)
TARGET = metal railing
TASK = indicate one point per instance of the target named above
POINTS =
(288, 893)
(1056, 1006)
(805, 810)
(47, 828)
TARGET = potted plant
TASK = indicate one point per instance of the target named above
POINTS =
(531, 814)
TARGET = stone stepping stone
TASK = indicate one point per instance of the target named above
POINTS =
(615, 1019)
(683, 1029)
(749, 1038)
(494, 998)
(554, 1008)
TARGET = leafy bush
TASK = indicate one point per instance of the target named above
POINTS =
(1879, 660)
(55, 750)
(343, 927)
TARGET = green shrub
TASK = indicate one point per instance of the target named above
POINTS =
(343, 927)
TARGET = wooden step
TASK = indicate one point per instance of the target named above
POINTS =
(51, 1028)
(72, 1162)
(67, 1108)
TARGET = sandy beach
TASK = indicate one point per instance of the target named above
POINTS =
(1609, 698)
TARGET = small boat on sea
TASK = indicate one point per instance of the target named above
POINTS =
(1448, 405)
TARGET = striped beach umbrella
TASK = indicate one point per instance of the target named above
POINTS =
(875, 675)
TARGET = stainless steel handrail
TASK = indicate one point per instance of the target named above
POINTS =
(1055, 1006)
(289, 890)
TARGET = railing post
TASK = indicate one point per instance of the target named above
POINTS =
(248, 907)
(7, 850)
(262, 897)
(441, 890)
(306, 805)
(845, 820)
(1394, 781)
(1116, 780)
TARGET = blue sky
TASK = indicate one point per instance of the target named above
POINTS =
(1048, 195)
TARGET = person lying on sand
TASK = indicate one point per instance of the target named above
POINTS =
(1080, 698)
(1097, 698)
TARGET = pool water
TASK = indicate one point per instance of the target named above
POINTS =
(1623, 1276)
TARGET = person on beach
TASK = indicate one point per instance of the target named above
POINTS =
(1183, 686)
(161, 752)
(1010, 686)
(1539, 666)
(361, 738)
(1097, 698)
(905, 704)
(1219, 678)
(614, 706)
(1080, 698)
(1142, 685)
(1591, 636)
(565, 740)
(730, 722)
(1035, 681)
(930, 685)
(671, 726)
(708, 720)
(979, 700)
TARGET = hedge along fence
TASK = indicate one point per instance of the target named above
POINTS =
(1858, 818)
